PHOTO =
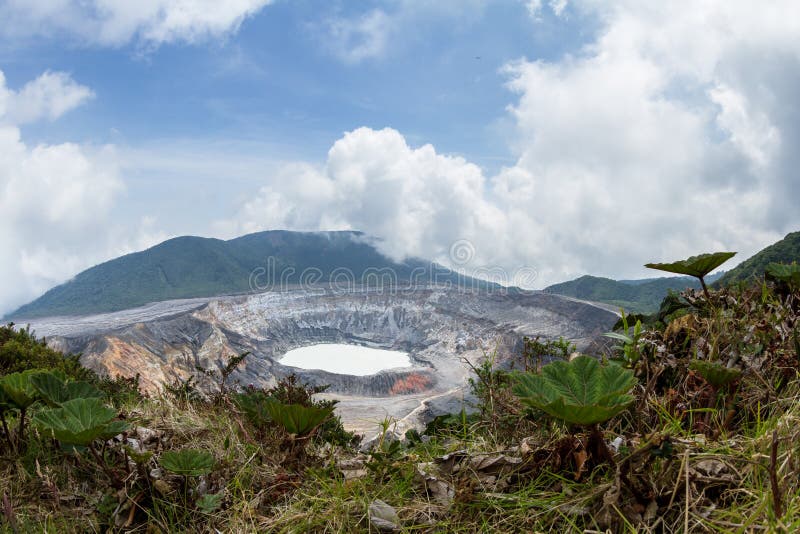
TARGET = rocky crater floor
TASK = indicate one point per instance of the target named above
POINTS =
(440, 329)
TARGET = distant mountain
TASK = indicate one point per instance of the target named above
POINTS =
(187, 267)
(786, 250)
(638, 296)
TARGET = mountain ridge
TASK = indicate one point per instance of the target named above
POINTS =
(786, 250)
(190, 267)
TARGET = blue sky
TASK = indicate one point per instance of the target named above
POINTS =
(559, 136)
(279, 79)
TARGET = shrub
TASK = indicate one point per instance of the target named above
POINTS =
(21, 350)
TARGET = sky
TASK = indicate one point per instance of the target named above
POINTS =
(553, 138)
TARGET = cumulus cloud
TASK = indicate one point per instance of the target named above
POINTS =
(112, 23)
(47, 97)
(55, 200)
(420, 201)
(669, 135)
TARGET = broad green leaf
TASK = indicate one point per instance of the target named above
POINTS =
(580, 392)
(210, 502)
(54, 391)
(697, 266)
(784, 272)
(714, 373)
(80, 421)
(253, 404)
(187, 462)
(295, 418)
(19, 388)
(619, 337)
(5, 402)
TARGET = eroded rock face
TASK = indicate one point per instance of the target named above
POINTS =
(439, 328)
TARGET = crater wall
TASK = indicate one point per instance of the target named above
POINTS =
(440, 328)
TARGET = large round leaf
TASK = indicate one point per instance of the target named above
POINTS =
(715, 373)
(697, 266)
(19, 388)
(189, 462)
(580, 392)
(784, 272)
(80, 421)
(296, 418)
(55, 391)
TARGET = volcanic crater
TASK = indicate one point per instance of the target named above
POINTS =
(440, 328)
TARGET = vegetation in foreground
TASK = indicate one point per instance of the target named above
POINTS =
(690, 423)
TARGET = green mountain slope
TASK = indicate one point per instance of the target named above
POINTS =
(638, 296)
(786, 250)
(186, 267)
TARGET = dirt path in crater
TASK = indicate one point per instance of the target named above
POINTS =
(363, 414)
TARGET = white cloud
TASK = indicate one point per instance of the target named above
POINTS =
(375, 34)
(57, 200)
(669, 135)
(535, 8)
(558, 7)
(420, 201)
(359, 39)
(150, 23)
(49, 96)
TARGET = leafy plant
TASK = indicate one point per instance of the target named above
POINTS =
(499, 408)
(289, 390)
(187, 462)
(534, 351)
(580, 392)
(55, 391)
(210, 502)
(19, 389)
(386, 452)
(80, 421)
(183, 391)
(252, 402)
(786, 273)
(297, 419)
(697, 266)
(21, 350)
(629, 349)
(222, 374)
(20, 394)
(714, 373)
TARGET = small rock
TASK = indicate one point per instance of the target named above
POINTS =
(441, 491)
(134, 444)
(162, 487)
(383, 516)
(147, 435)
(353, 468)
(527, 446)
(156, 473)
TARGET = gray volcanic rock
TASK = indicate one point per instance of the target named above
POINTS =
(441, 328)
